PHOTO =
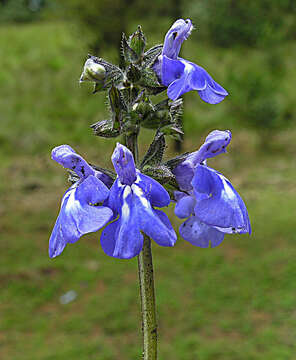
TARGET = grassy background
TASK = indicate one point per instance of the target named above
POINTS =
(234, 302)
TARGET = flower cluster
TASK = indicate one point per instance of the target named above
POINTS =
(125, 203)
(205, 197)
(129, 206)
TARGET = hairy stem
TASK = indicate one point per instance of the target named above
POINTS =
(131, 141)
(146, 279)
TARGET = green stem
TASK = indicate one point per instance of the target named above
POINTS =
(131, 142)
(146, 279)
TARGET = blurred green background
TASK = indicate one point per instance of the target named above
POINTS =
(234, 302)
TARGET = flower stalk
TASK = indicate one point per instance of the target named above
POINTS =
(147, 294)
(131, 141)
(146, 282)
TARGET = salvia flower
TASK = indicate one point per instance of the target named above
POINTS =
(81, 210)
(180, 75)
(215, 144)
(210, 203)
(133, 198)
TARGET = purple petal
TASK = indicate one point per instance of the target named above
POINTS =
(153, 190)
(69, 159)
(92, 191)
(115, 196)
(171, 70)
(200, 234)
(122, 239)
(75, 219)
(185, 207)
(172, 238)
(154, 225)
(124, 164)
(202, 181)
(92, 218)
(178, 195)
(79, 218)
(179, 31)
(223, 208)
(192, 77)
(184, 173)
(215, 144)
(211, 92)
(57, 242)
(157, 66)
(109, 236)
(210, 96)
(186, 77)
(106, 179)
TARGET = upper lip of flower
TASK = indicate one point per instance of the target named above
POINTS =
(188, 29)
(184, 30)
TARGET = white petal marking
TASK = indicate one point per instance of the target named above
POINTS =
(125, 211)
(140, 193)
(227, 192)
(72, 203)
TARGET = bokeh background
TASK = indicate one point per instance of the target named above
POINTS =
(234, 302)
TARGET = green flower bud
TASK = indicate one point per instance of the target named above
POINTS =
(143, 108)
(93, 71)
(137, 42)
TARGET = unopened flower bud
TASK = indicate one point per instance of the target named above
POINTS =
(143, 108)
(93, 71)
(137, 42)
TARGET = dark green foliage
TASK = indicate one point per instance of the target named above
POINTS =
(103, 20)
(250, 23)
(258, 105)
(256, 99)
(21, 10)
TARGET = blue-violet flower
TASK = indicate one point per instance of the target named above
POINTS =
(132, 198)
(80, 211)
(180, 75)
(208, 200)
